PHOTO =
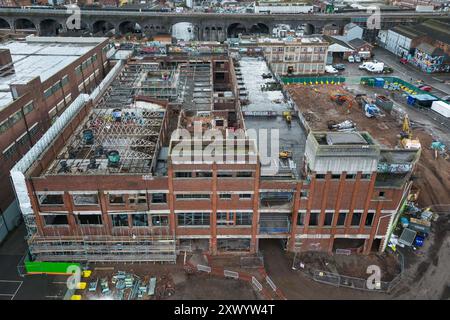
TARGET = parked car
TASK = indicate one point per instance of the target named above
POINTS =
(426, 88)
(446, 98)
(351, 59)
(403, 61)
(357, 58)
(330, 69)
(339, 66)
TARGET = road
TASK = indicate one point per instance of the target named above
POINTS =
(408, 72)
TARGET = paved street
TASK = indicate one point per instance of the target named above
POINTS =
(29, 287)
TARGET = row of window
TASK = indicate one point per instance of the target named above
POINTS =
(208, 174)
(92, 199)
(297, 49)
(56, 87)
(314, 219)
(365, 176)
(24, 140)
(117, 220)
(223, 219)
(86, 63)
(15, 117)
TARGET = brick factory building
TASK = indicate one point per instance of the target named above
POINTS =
(39, 78)
(111, 182)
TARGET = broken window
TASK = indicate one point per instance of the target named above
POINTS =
(85, 199)
(356, 218)
(301, 219)
(119, 220)
(183, 174)
(314, 218)
(341, 218)
(159, 198)
(193, 219)
(138, 198)
(244, 174)
(116, 199)
(140, 220)
(160, 220)
(51, 199)
(204, 174)
(369, 219)
(222, 174)
(328, 218)
(89, 219)
(365, 176)
(55, 219)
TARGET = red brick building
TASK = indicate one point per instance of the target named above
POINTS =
(115, 183)
(39, 79)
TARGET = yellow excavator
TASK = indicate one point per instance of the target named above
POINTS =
(285, 154)
(288, 117)
(406, 138)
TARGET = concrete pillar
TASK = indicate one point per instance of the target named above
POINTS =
(255, 217)
(213, 218)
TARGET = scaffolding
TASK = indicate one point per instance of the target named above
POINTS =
(150, 248)
(196, 86)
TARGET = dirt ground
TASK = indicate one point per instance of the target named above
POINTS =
(352, 265)
(318, 108)
(432, 175)
(186, 286)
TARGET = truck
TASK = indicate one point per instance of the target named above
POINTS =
(441, 107)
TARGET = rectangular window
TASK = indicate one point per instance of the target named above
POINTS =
(328, 218)
(85, 199)
(159, 198)
(341, 219)
(320, 176)
(203, 174)
(48, 93)
(335, 176)
(64, 81)
(356, 218)
(193, 219)
(89, 219)
(119, 220)
(225, 218)
(350, 176)
(369, 219)
(245, 196)
(301, 218)
(182, 174)
(381, 194)
(28, 108)
(244, 174)
(51, 199)
(160, 220)
(55, 219)
(243, 218)
(225, 196)
(365, 176)
(192, 196)
(138, 198)
(15, 118)
(314, 218)
(224, 174)
(4, 126)
(140, 220)
(116, 199)
(304, 193)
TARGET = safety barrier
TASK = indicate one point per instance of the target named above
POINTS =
(271, 284)
(231, 274)
(203, 268)
(313, 80)
(257, 284)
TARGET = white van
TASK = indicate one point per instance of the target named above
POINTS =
(351, 59)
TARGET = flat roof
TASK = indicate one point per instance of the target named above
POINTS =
(41, 57)
(119, 135)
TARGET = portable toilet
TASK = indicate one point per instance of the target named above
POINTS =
(379, 82)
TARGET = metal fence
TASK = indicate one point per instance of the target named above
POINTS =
(339, 280)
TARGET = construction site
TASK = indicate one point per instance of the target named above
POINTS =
(106, 185)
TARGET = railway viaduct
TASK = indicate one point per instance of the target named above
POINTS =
(206, 26)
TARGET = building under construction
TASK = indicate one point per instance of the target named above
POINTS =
(107, 182)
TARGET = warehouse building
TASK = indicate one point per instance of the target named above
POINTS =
(39, 78)
(115, 181)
